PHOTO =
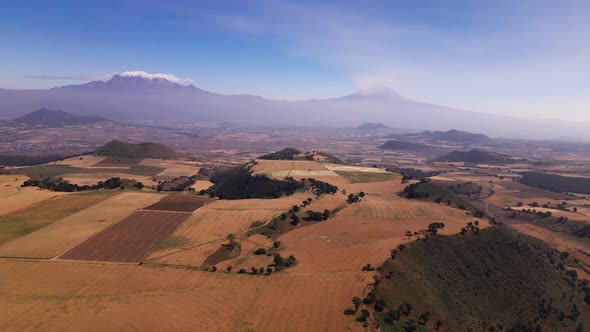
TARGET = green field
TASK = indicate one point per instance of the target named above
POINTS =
(362, 177)
(45, 170)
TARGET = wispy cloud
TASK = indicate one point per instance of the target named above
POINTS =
(87, 78)
(106, 77)
(481, 55)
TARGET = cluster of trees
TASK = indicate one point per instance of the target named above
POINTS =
(321, 187)
(353, 198)
(239, 183)
(317, 216)
(469, 188)
(284, 154)
(435, 226)
(368, 267)
(471, 227)
(556, 183)
(281, 263)
(181, 183)
(61, 185)
(412, 173)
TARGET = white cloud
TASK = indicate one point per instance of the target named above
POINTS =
(106, 77)
(143, 74)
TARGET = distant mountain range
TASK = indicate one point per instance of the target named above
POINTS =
(50, 118)
(132, 98)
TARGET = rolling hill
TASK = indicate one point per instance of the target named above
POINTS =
(117, 148)
(403, 146)
(57, 118)
(371, 126)
(452, 135)
(491, 280)
(474, 156)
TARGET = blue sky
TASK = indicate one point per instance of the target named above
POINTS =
(525, 58)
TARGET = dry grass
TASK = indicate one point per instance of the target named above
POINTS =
(177, 170)
(54, 239)
(263, 166)
(82, 161)
(73, 296)
(22, 222)
(202, 185)
(207, 227)
(14, 198)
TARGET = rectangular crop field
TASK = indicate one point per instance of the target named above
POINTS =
(117, 162)
(128, 240)
(180, 203)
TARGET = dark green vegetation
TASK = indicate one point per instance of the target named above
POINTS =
(467, 188)
(476, 157)
(412, 173)
(403, 146)
(492, 280)
(363, 177)
(26, 160)
(432, 191)
(284, 154)
(294, 154)
(59, 184)
(117, 148)
(239, 183)
(556, 183)
(49, 118)
(181, 183)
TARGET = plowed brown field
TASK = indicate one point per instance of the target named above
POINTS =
(128, 240)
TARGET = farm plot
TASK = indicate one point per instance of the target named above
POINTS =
(82, 161)
(117, 162)
(180, 203)
(207, 228)
(176, 170)
(69, 296)
(520, 190)
(286, 165)
(61, 235)
(14, 198)
(24, 221)
(128, 240)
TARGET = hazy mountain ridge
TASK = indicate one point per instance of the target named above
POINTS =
(131, 98)
(55, 118)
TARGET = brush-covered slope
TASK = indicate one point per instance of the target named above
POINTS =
(492, 280)
(117, 148)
